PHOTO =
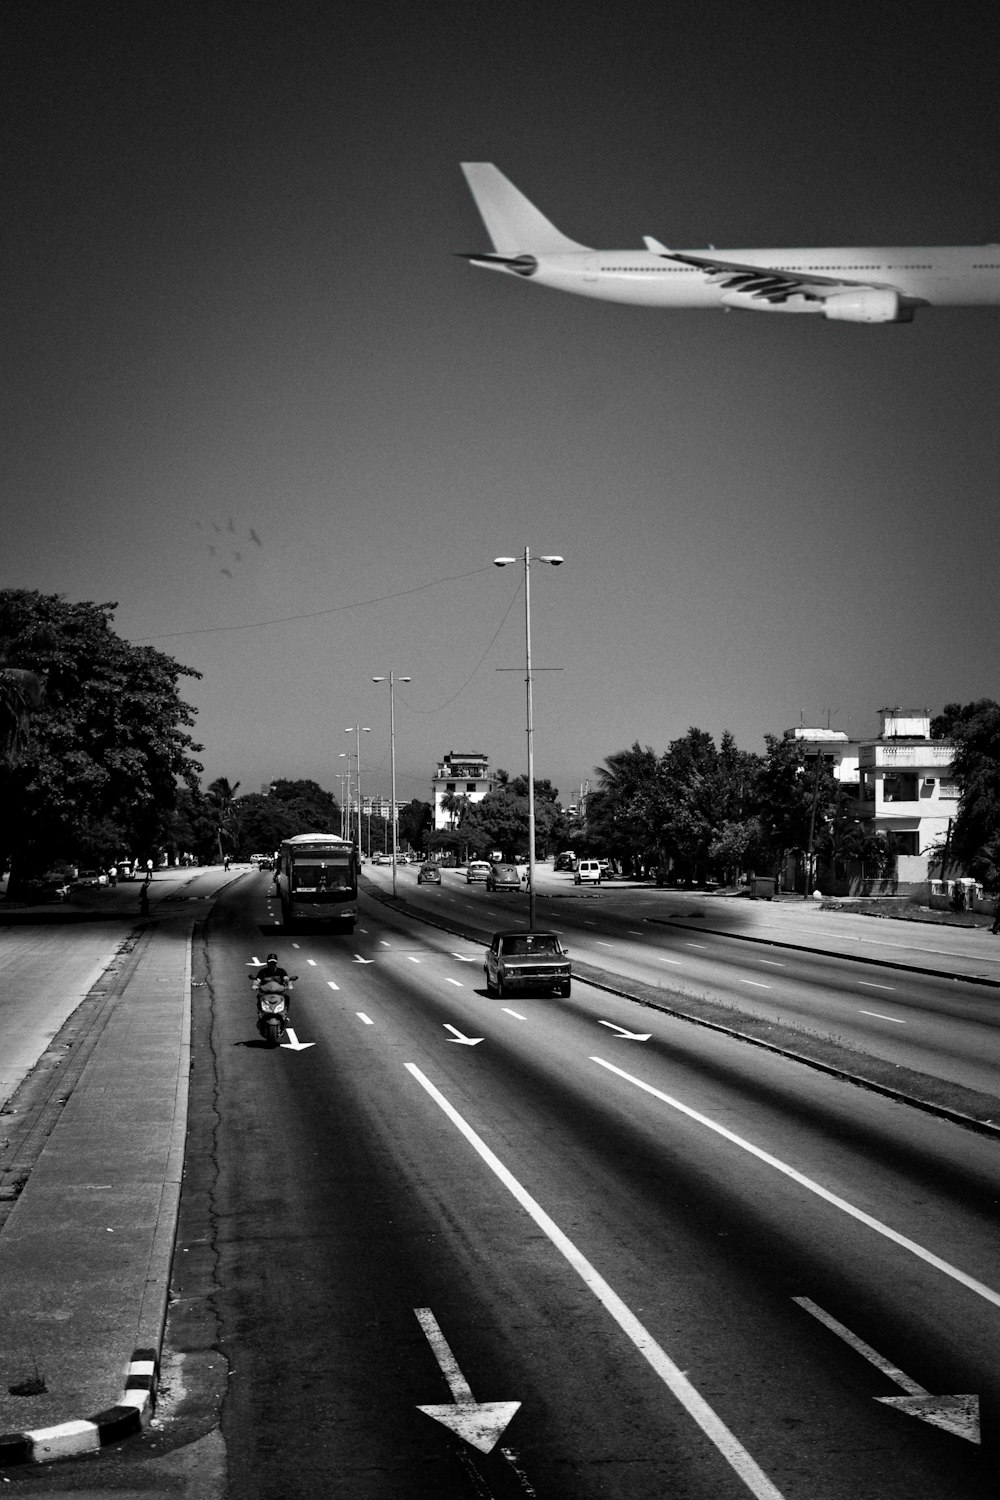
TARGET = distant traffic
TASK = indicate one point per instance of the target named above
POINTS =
(878, 284)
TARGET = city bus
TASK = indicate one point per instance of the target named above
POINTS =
(316, 878)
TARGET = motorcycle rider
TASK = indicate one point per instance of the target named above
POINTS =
(271, 969)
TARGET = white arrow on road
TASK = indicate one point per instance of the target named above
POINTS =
(956, 1414)
(465, 1041)
(295, 1045)
(481, 1423)
(359, 960)
(627, 1036)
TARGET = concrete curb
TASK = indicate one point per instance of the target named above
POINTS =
(67, 1439)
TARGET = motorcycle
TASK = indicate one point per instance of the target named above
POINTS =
(272, 1007)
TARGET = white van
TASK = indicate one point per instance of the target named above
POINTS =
(587, 869)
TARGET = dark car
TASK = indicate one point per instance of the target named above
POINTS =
(503, 878)
(428, 875)
(527, 961)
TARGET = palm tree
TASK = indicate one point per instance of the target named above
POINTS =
(220, 794)
(21, 692)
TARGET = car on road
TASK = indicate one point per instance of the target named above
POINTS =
(476, 869)
(527, 961)
(503, 877)
(429, 875)
(382, 859)
(88, 878)
(587, 870)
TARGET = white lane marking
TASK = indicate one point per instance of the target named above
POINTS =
(362, 1017)
(632, 932)
(586, 923)
(456, 982)
(928, 1256)
(515, 1013)
(364, 930)
(481, 1423)
(772, 964)
(296, 945)
(696, 945)
(384, 944)
(860, 1347)
(311, 961)
(332, 985)
(678, 961)
(757, 984)
(465, 958)
(879, 1017)
(673, 1378)
(868, 985)
(412, 959)
(601, 944)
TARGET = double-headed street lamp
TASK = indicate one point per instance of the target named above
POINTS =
(502, 562)
(392, 679)
(357, 730)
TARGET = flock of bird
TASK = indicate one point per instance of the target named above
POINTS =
(226, 545)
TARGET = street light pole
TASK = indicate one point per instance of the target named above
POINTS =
(501, 562)
(357, 730)
(392, 680)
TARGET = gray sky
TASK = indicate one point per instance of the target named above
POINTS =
(232, 304)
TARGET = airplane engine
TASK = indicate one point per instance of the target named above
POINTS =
(877, 305)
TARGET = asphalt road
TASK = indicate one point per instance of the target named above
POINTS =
(946, 1027)
(696, 1268)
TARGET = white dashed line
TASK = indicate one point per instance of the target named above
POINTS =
(868, 985)
(515, 1013)
(412, 959)
(696, 945)
(456, 982)
(332, 985)
(311, 961)
(879, 1017)
(362, 1017)
(756, 984)
(773, 964)
(677, 961)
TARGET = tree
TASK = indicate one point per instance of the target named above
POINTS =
(287, 809)
(975, 836)
(220, 796)
(97, 762)
(414, 823)
(21, 693)
(794, 798)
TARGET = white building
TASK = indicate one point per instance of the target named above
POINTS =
(907, 790)
(460, 774)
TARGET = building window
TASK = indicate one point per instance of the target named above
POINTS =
(470, 786)
(899, 788)
(450, 786)
(904, 843)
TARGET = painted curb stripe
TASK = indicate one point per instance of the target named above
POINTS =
(130, 1416)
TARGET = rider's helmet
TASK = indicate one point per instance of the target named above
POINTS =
(272, 958)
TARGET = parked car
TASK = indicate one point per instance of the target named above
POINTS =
(88, 878)
(564, 861)
(527, 960)
(587, 870)
(503, 877)
(476, 869)
(382, 859)
(428, 875)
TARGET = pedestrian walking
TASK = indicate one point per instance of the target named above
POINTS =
(113, 876)
(144, 898)
(996, 916)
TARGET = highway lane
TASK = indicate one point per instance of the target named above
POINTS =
(947, 1028)
(610, 1232)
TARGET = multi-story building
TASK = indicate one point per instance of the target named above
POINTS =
(907, 790)
(460, 774)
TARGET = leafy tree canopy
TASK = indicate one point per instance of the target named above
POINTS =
(975, 838)
(101, 752)
(261, 820)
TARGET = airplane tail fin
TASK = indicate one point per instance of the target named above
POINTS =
(514, 224)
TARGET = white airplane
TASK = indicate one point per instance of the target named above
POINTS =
(880, 284)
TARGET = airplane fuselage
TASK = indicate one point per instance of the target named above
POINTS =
(937, 276)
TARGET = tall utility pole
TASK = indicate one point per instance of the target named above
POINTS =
(392, 680)
(502, 562)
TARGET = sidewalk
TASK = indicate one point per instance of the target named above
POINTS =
(85, 1253)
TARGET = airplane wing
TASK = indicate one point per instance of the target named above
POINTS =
(764, 283)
